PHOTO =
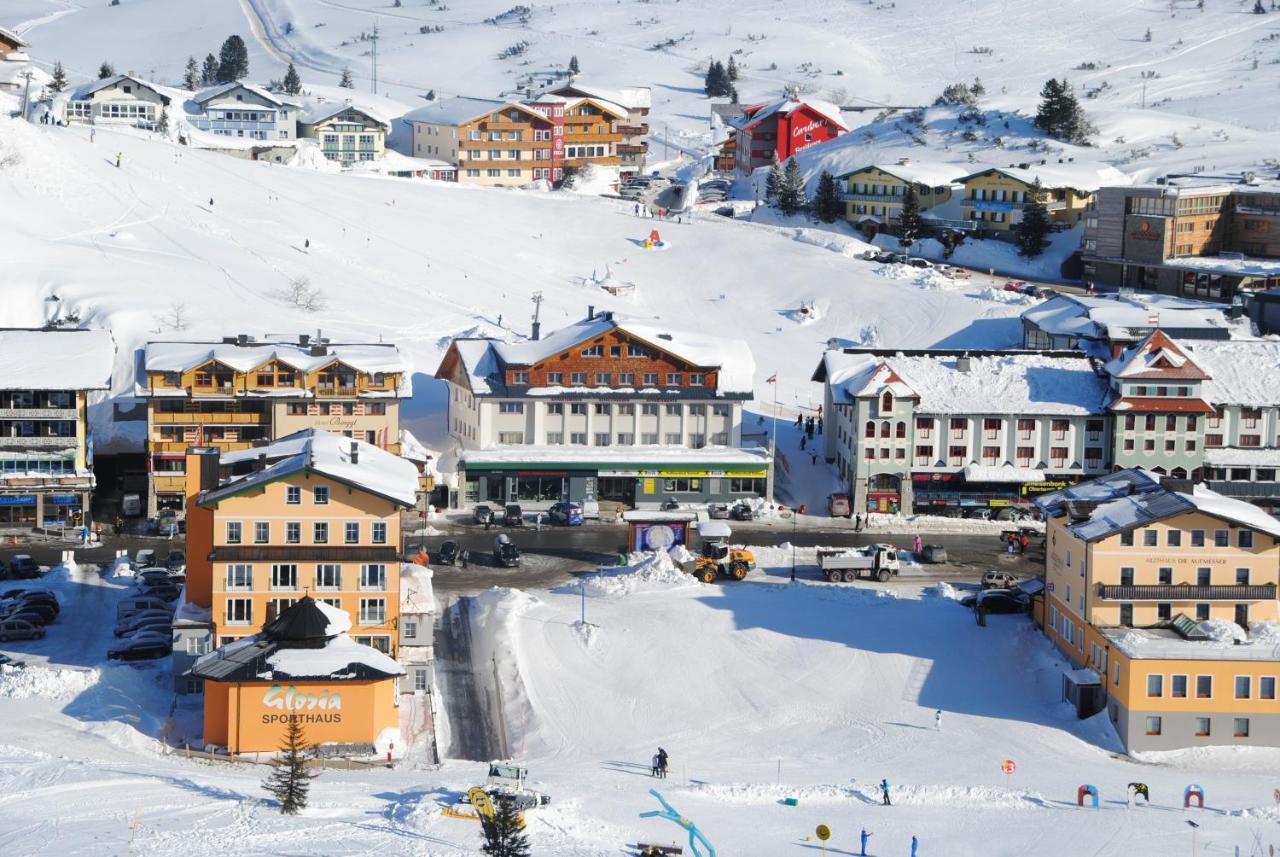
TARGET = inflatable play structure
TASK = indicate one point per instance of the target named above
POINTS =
(670, 814)
(1193, 792)
(1136, 789)
(654, 240)
(1087, 791)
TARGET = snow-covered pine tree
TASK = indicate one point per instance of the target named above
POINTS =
(732, 71)
(191, 77)
(909, 223)
(59, 81)
(346, 81)
(573, 65)
(289, 779)
(826, 199)
(233, 60)
(1033, 231)
(773, 182)
(791, 197)
(209, 71)
(162, 122)
(977, 90)
(503, 835)
(292, 83)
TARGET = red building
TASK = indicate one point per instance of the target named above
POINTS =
(784, 127)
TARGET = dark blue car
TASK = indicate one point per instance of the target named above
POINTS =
(568, 514)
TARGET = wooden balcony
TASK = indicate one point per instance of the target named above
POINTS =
(1188, 592)
(581, 139)
(627, 149)
(633, 130)
(192, 418)
(334, 390)
(169, 483)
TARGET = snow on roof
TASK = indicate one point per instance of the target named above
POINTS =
(85, 90)
(612, 107)
(1157, 356)
(1082, 176)
(13, 38)
(630, 97)
(1240, 264)
(69, 359)
(929, 173)
(1240, 373)
(730, 355)
(376, 470)
(204, 96)
(714, 529)
(332, 660)
(826, 109)
(339, 619)
(1114, 316)
(996, 384)
(709, 456)
(1002, 473)
(314, 112)
(1240, 457)
(15, 68)
(1164, 644)
(162, 356)
(416, 594)
(1212, 503)
(452, 111)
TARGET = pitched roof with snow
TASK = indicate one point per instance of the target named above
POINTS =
(630, 97)
(1242, 373)
(993, 384)
(207, 95)
(1118, 318)
(484, 359)
(315, 112)
(13, 38)
(372, 469)
(604, 104)
(184, 356)
(1083, 176)
(85, 90)
(1156, 357)
(928, 173)
(1133, 498)
(785, 106)
(453, 111)
(56, 359)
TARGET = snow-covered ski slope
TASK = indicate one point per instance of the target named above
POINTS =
(417, 262)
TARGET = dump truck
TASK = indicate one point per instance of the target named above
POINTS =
(717, 557)
(879, 562)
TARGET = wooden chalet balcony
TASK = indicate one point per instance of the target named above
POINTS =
(337, 390)
(633, 130)
(1188, 592)
(627, 149)
(169, 482)
(602, 161)
(580, 139)
(208, 418)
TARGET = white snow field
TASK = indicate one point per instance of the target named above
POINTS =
(759, 691)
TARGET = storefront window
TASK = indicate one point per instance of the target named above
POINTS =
(540, 488)
(682, 485)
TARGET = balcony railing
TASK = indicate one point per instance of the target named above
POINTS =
(1188, 592)
(878, 198)
(633, 130)
(336, 390)
(1009, 205)
(38, 414)
(8, 442)
(207, 418)
(183, 446)
(629, 150)
(1245, 489)
(233, 124)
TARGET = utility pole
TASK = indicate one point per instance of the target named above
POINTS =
(26, 93)
(374, 38)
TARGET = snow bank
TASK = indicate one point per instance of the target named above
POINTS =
(643, 571)
(53, 683)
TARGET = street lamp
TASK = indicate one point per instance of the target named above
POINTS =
(794, 520)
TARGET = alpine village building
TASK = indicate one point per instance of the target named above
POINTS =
(632, 148)
(46, 449)
(1151, 591)
(603, 409)
(873, 195)
(782, 128)
(121, 99)
(241, 393)
(346, 133)
(995, 197)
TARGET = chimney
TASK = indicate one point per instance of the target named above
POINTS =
(304, 339)
(591, 311)
(355, 452)
(962, 363)
(318, 349)
(536, 333)
(243, 339)
(202, 464)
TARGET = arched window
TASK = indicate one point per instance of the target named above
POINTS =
(1178, 473)
(886, 402)
(902, 429)
(884, 429)
(871, 429)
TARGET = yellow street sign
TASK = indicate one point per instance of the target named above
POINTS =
(824, 832)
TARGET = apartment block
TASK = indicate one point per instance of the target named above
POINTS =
(996, 197)
(873, 195)
(632, 147)
(345, 132)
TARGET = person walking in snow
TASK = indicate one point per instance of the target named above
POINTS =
(119, 155)
(653, 767)
(211, 202)
(857, 523)
(937, 720)
(662, 763)
(465, 556)
(802, 440)
(884, 792)
(919, 544)
(1023, 541)
(915, 847)
(865, 836)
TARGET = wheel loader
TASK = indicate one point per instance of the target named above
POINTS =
(718, 558)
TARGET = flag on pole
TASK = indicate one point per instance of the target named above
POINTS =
(772, 379)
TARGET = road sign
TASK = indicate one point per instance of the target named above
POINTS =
(824, 832)
(1008, 766)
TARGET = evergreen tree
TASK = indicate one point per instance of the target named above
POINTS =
(59, 81)
(1050, 110)
(233, 60)
(347, 81)
(162, 123)
(826, 199)
(791, 196)
(909, 223)
(289, 780)
(191, 77)
(105, 71)
(209, 72)
(292, 84)
(503, 835)
(733, 95)
(715, 83)
(573, 65)
(732, 71)
(1060, 115)
(977, 90)
(773, 183)
(1032, 233)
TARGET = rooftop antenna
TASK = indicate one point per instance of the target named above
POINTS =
(374, 39)
(537, 310)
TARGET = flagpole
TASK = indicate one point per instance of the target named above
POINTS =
(773, 443)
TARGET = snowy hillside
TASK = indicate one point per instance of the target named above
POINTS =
(187, 244)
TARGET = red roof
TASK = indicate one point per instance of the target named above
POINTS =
(1144, 405)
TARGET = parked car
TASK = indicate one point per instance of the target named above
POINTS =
(19, 629)
(151, 577)
(141, 650)
(996, 579)
(505, 552)
(933, 554)
(884, 258)
(158, 628)
(133, 605)
(1002, 601)
(917, 262)
(482, 514)
(512, 515)
(140, 620)
(6, 661)
(567, 514)
(165, 592)
(145, 558)
(448, 553)
(176, 562)
(20, 592)
(23, 567)
(718, 511)
(1015, 285)
(838, 506)
(44, 601)
(670, 504)
(741, 512)
(1042, 292)
(35, 615)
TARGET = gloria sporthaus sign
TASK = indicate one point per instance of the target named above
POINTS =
(300, 706)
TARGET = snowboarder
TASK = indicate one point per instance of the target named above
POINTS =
(884, 792)
(119, 155)
(937, 720)
(915, 847)
(865, 837)
(919, 544)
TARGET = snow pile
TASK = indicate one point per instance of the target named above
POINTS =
(1265, 633)
(589, 633)
(643, 571)
(1222, 631)
(54, 683)
(594, 180)
(747, 793)
(850, 248)
(942, 590)
(807, 313)
(121, 567)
